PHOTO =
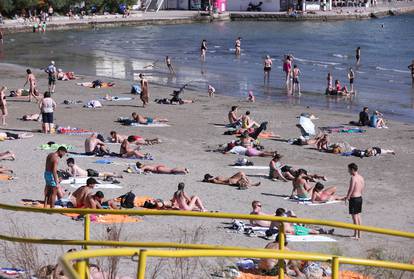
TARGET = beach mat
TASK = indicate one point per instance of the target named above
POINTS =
(55, 146)
(251, 167)
(107, 218)
(309, 238)
(309, 202)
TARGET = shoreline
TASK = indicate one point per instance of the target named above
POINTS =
(190, 17)
(184, 145)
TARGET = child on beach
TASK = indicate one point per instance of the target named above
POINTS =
(251, 97)
(211, 91)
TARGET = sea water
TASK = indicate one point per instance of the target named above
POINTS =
(382, 79)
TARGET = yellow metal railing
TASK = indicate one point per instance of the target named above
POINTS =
(67, 259)
(198, 250)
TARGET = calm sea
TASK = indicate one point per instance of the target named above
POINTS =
(382, 79)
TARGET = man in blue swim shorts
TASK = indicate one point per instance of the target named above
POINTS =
(51, 177)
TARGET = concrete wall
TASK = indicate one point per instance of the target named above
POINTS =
(241, 5)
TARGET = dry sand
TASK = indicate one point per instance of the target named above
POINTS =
(389, 179)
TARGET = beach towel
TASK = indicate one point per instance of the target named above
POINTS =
(99, 186)
(93, 104)
(71, 131)
(14, 272)
(251, 167)
(5, 177)
(107, 218)
(55, 146)
(308, 201)
(245, 275)
(150, 125)
(342, 129)
(117, 98)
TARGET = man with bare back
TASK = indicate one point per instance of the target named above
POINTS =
(51, 176)
(354, 196)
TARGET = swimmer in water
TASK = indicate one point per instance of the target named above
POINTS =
(358, 55)
(203, 50)
(411, 67)
(238, 46)
(351, 76)
(267, 68)
(296, 73)
(169, 64)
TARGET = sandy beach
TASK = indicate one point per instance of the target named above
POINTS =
(387, 198)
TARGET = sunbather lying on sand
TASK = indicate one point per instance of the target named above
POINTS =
(32, 117)
(147, 120)
(320, 195)
(239, 179)
(157, 204)
(96, 84)
(370, 152)
(13, 136)
(257, 210)
(285, 173)
(117, 138)
(182, 201)
(248, 148)
(160, 169)
(292, 228)
(75, 171)
(321, 141)
(5, 170)
(8, 155)
(254, 133)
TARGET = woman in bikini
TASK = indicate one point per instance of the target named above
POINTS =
(182, 201)
(118, 138)
(251, 151)
(239, 179)
(161, 169)
(320, 195)
(301, 188)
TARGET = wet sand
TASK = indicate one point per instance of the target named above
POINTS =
(387, 199)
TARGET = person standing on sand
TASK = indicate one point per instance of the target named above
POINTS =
(267, 68)
(351, 76)
(411, 67)
(203, 50)
(296, 73)
(3, 105)
(51, 176)
(31, 79)
(358, 55)
(144, 90)
(52, 76)
(47, 107)
(354, 196)
(169, 65)
(238, 46)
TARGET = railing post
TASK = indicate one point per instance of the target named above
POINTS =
(335, 268)
(281, 248)
(87, 230)
(81, 269)
(142, 262)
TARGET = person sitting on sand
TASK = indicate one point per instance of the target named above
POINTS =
(13, 136)
(377, 120)
(321, 195)
(182, 201)
(253, 132)
(75, 171)
(257, 210)
(247, 122)
(118, 138)
(160, 169)
(239, 179)
(80, 195)
(61, 75)
(147, 120)
(270, 267)
(234, 119)
(126, 151)
(94, 146)
(8, 155)
(301, 188)
(251, 151)
(279, 171)
(364, 117)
